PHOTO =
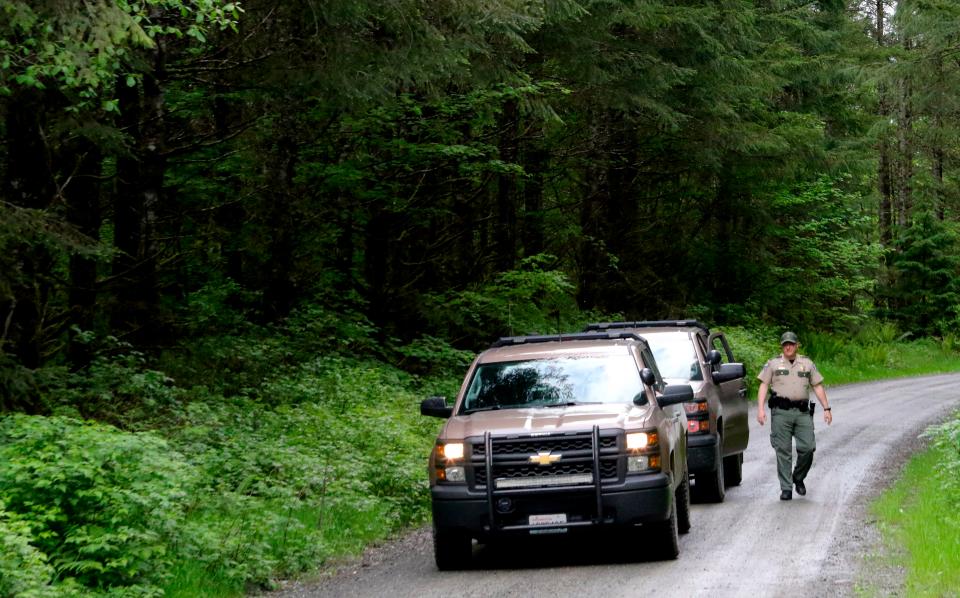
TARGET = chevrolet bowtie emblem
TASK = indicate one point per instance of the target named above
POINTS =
(545, 458)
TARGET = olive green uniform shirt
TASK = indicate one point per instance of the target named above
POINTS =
(791, 380)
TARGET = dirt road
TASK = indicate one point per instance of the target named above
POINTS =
(751, 545)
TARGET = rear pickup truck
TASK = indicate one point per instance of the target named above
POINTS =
(687, 352)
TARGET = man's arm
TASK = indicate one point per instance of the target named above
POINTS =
(821, 393)
(761, 399)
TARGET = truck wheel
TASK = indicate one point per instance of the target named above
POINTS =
(452, 549)
(683, 504)
(710, 484)
(733, 469)
(666, 543)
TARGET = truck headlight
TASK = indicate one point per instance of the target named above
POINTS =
(641, 463)
(637, 441)
(643, 451)
(454, 474)
(448, 462)
(451, 451)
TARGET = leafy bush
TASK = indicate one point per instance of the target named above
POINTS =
(946, 437)
(24, 570)
(99, 505)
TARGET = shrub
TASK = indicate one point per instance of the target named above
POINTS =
(99, 505)
(24, 570)
(946, 437)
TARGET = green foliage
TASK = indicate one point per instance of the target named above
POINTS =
(334, 450)
(946, 439)
(821, 259)
(925, 297)
(534, 298)
(81, 47)
(24, 570)
(99, 506)
(117, 387)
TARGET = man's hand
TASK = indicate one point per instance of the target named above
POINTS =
(828, 416)
(761, 397)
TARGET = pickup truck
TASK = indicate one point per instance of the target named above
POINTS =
(687, 352)
(560, 435)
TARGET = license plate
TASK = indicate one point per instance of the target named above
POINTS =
(551, 519)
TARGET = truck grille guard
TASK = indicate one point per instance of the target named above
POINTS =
(606, 446)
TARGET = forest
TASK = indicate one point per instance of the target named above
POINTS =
(225, 226)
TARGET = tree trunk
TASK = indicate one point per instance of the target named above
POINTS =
(505, 234)
(884, 170)
(83, 212)
(534, 222)
(230, 213)
(905, 151)
(279, 291)
(595, 192)
(376, 263)
(28, 184)
(938, 153)
(137, 197)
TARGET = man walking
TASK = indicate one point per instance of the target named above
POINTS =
(789, 378)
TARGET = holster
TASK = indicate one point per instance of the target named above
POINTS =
(813, 407)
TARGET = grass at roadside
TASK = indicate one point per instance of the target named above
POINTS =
(919, 518)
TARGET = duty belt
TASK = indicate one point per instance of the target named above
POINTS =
(785, 403)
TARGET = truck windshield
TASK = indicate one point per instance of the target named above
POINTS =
(675, 355)
(554, 382)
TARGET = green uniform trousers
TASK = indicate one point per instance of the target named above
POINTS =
(786, 424)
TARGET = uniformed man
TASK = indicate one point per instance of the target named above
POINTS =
(789, 378)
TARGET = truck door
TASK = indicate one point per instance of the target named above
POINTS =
(733, 397)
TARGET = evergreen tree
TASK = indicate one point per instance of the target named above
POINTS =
(926, 297)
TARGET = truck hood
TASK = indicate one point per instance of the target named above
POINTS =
(549, 420)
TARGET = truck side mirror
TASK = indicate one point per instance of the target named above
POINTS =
(675, 393)
(713, 357)
(729, 371)
(435, 407)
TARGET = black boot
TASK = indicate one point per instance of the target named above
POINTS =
(786, 495)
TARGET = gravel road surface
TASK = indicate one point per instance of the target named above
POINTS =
(752, 544)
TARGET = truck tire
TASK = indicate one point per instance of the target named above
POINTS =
(683, 504)
(733, 469)
(452, 549)
(666, 542)
(710, 484)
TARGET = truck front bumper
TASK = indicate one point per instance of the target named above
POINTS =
(702, 452)
(639, 499)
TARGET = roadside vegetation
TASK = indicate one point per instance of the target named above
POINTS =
(919, 516)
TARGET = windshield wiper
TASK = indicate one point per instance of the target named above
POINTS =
(487, 408)
(568, 404)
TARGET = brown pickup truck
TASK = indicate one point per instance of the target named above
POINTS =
(560, 434)
(687, 352)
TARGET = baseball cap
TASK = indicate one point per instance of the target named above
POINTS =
(789, 337)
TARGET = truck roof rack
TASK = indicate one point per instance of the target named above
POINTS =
(602, 326)
(507, 341)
